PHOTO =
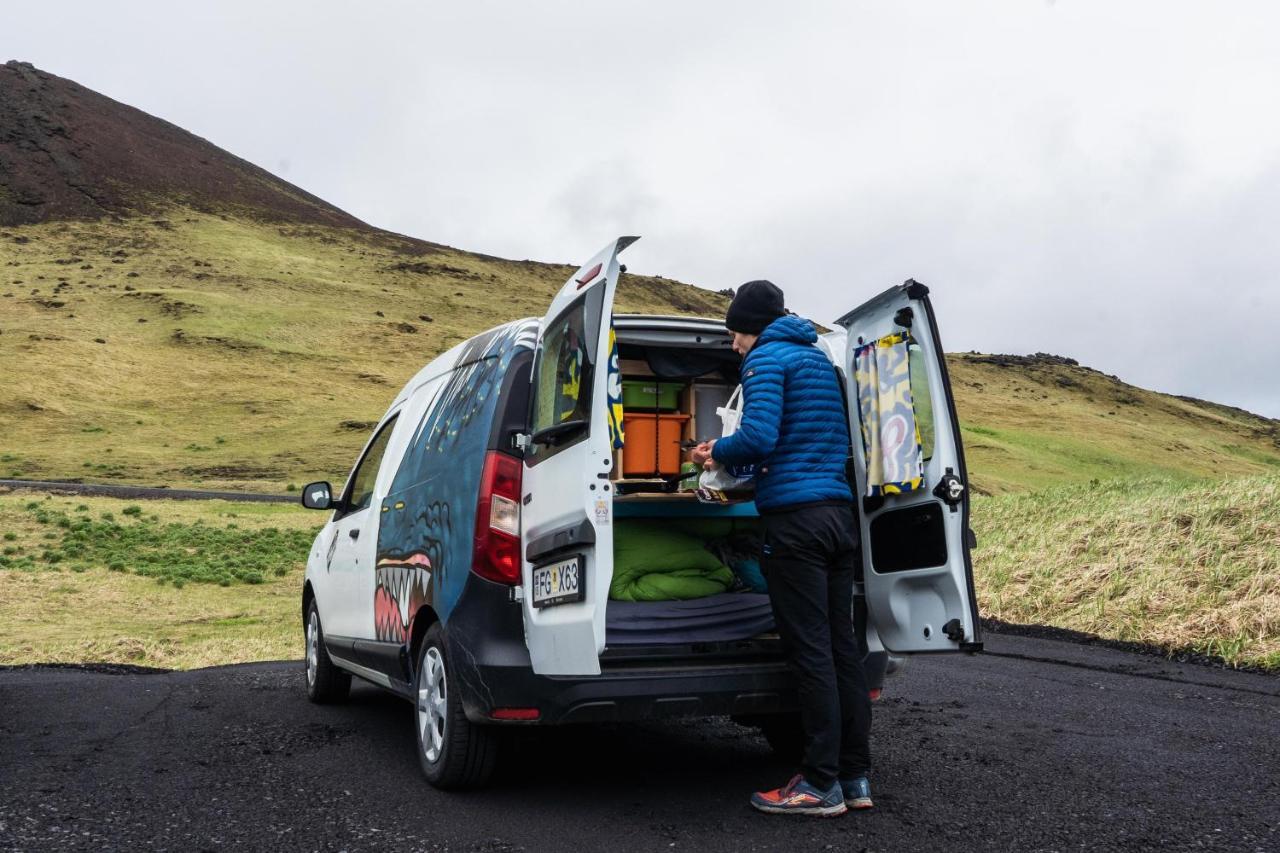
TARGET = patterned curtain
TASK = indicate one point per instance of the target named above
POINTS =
(615, 393)
(890, 434)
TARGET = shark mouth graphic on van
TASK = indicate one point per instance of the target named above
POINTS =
(403, 584)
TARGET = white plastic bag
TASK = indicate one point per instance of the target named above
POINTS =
(718, 478)
(731, 413)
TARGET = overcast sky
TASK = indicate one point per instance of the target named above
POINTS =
(1094, 179)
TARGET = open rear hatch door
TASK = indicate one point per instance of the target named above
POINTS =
(912, 486)
(567, 512)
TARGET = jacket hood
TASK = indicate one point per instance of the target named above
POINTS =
(789, 328)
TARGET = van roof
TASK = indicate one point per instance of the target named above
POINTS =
(668, 321)
(623, 322)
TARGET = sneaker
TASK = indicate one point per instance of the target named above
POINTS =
(799, 797)
(857, 792)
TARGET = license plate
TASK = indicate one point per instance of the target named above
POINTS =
(558, 583)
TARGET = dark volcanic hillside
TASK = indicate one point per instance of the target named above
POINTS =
(67, 152)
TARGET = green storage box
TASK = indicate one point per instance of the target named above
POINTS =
(651, 394)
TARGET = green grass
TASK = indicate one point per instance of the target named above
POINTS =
(237, 353)
(1175, 564)
(186, 584)
(1181, 565)
(179, 551)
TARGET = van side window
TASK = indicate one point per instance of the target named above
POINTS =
(921, 400)
(360, 493)
(564, 371)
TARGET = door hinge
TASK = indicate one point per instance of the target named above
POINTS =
(950, 490)
(954, 630)
(517, 593)
(521, 440)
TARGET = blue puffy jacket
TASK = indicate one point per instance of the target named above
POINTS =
(794, 427)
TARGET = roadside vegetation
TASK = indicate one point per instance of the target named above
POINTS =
(1181, 565)
(176, 584)
(1185, 566)
(172, 551)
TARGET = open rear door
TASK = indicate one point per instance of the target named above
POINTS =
(567, 512)
(917, 574)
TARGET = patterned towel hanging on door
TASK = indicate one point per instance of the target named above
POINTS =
(890, 435)
(616, 435)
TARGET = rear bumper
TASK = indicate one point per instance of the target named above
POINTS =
(491, 670)
(635, 693)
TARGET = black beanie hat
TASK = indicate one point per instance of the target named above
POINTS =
(755, 306)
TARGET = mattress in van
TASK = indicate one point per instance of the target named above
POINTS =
(716, 618)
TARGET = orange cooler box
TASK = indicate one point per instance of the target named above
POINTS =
(653, 444)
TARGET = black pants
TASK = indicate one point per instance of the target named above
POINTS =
(809, 558)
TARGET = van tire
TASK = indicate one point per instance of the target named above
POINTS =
(464, 754)
(784, 734)
(326, 684)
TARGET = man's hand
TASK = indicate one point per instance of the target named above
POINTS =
(702, 454)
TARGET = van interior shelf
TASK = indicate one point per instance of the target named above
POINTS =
(685, 504)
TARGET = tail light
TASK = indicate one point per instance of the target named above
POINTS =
(496, 555)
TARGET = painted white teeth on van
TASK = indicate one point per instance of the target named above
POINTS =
(403, 585)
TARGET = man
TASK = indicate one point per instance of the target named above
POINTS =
(794, 429)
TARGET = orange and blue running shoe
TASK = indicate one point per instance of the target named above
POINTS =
(799, 797)
(857, 792)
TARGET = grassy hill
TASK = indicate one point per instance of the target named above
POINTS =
(194, 348)
(170, 314)
(214, 350)
(1031, 422)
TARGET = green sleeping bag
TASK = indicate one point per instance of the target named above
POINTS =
(652, 561)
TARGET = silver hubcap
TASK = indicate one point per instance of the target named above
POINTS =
(313, 647)
(431, 704)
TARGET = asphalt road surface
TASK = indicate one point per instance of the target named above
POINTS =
(1038, 745)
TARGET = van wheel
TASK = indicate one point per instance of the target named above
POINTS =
(325, 682)
(454, 752)
(784, 734)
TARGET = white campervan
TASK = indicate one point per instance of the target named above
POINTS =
(497, 559)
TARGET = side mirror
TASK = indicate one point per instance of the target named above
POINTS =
(317, 496)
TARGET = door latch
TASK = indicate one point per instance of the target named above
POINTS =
(949, 490)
